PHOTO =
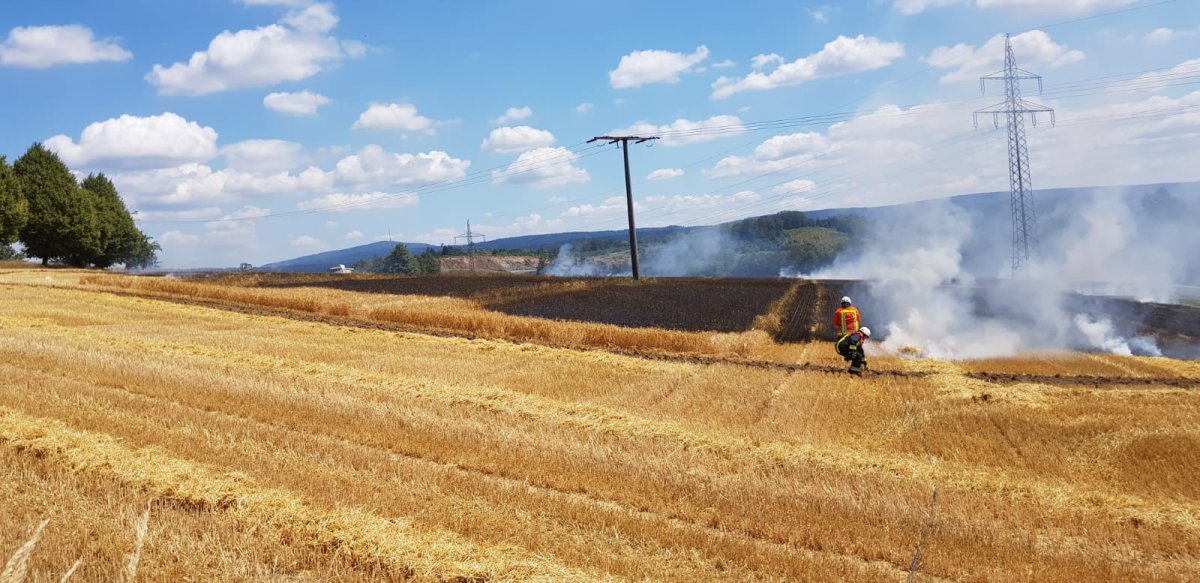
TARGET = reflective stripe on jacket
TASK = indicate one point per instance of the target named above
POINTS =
(845, 320)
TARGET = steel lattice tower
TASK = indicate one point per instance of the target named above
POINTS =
(1020, 184)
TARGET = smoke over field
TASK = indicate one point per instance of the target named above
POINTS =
(939, 275)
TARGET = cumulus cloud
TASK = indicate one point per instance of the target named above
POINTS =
(543, 168)
(354, 235)
(309, 243)
(287, 3)
(263, 155)
(665, 174)
(794, 186)
(584, 107)
(513, 114)
(138, 142)
(401, 117)
(682, 132)
(1032, 49)
(841, 56)
(346, 203)
(296, 48)
(911, 7)
(374, 165)
(304, 103)
(611, 205)
(509, 140)
(642, 67)
(39, 47)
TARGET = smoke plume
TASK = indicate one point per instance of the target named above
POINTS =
(938, 275)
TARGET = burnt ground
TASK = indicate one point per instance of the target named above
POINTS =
(720, 305)
(730, 305)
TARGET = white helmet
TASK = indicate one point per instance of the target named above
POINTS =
(865, 331)
(846, 300)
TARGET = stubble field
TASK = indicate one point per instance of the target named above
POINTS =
(305, 433)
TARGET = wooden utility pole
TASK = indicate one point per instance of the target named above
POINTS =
(624, 140)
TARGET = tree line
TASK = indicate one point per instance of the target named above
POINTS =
(401, 261)
(59, 220)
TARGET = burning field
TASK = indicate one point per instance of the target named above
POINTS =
(243, 429)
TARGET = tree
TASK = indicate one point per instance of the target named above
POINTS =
(62, 221)
(427, 263)
(14, 209)
(400, 260)
(120, 239)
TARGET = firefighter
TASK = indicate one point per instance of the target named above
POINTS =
(846, 319)
(850, 347)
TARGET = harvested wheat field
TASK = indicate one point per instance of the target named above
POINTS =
(173, 430)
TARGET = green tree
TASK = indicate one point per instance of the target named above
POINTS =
(120, 239)
(14, 209)
(427, 263)
(400, 260)
(62, 221)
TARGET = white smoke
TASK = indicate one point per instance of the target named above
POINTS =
(570, 263)
(920, 292)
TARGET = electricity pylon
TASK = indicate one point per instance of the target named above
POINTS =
(470, 236)
(1020, 183)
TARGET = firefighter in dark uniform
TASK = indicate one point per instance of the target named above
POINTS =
(851, 348)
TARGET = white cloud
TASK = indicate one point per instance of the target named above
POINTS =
(610, 205)
(910, 7)
(297, 48)
(348, 203)
(198, 184)
(794, 186)
(208, 212)
(746, 197)
(1032, 49)
(789, 145)
(374, 165)
(263, 155)
(287, 3)
(513, 114)
(138, 142)
(819, 15)
(510, 140)
(543, 168)
(304, 103)
(309, 243)
(584, 107)
(556, 199)
(665, 174)
(726, 64)
(177, 238)
(1068, 6)
(641, 67)
(39, 47)
(1166, 35)
(1161, 35)
(354, 235)
(841, 56)
(394, 117)
(682, 132)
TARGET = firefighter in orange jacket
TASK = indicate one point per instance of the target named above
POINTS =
(846, 319)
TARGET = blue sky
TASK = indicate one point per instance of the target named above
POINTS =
(258, 130)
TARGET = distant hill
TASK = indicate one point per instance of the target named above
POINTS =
(321, 262)
(991, 204)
